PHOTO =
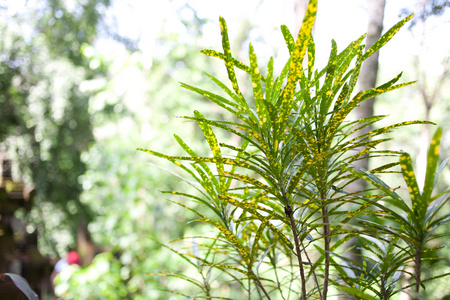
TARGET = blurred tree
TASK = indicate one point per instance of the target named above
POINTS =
(426, 9)
(144, 97)
(45, 121)
(430, 84)
(430, 89)
(369, 72)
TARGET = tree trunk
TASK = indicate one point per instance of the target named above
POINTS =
(367, 80)
(369, 70)
(85, 246)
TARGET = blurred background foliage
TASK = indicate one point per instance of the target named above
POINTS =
(83, 83)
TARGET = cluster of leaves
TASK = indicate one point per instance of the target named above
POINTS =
(278, 199)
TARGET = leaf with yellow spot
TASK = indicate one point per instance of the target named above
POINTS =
(230, 237)
(234, 108)
(345, 58)
(246, 206)
(212, 142)
(326, 95)
(311, 57)
(378, 91)
(355, 73)
(256, 246)
(295, 67)
(211, 178)
(432, 161)
(235, 62)
(307, 143)
(227, 161)
(222, 266)
(223, 125)
(263, 116)
(419, 206)
(288, 38)
(252, 208)
(256, 183)
(276, 91)
(385, 38)
(341, 98)
(269, 79)
(228, 59)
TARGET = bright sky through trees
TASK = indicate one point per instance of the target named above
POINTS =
(342, 20)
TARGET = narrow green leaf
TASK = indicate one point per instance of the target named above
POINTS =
(22, 284)
(263, 116)
(228, 58)
(279, 82)
(254, 252)
(222, 266)
(311, 57)
(326, 94)
(179, 276)
(230, 237)
(437, 205)
(184, 256)
(295, 68)
(344, 59)
(378, 91)
(355, 292)
(251, 208)
(211, 178)
(212, 142)
(193, 197)
(341, 98)
(256, 183)
(234, 108)
(391, 82)
(385, 38)
(288, 38)
(355, 72)
(432, 161)
(364, 174)
(419, 206)
(235, 62)
(269, 80)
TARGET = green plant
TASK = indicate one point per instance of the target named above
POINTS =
(413, 224)
(278, 198)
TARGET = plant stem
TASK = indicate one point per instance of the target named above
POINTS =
(249, 288)
(313, 272)
(206, 285)
(326, 233)
(278, 281)
(418, 270)
(383, 289)
(261, 286)
(290, 214)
